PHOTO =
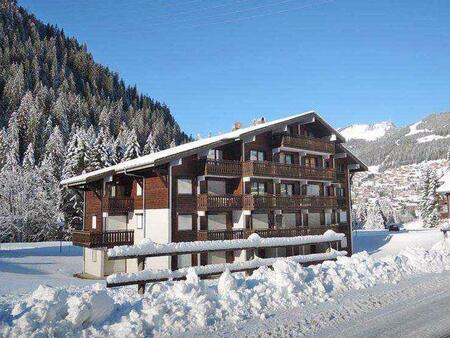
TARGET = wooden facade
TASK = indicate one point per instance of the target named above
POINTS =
(296, 173)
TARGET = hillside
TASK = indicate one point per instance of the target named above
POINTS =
(61, 114)
(383, 144)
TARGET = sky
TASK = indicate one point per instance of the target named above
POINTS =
(217, 62)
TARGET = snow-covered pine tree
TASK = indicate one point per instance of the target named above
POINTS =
(54, 148)
(133, 149)
(3, 147)
(29, 162)
(374, 217)
(424, 209)
(150, 145)
(100, 153)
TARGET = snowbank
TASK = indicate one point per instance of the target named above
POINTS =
(170, 307)
(217, 268)
(147, 248)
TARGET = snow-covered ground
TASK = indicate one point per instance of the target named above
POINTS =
(393, 292)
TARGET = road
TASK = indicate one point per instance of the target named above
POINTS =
(415, 307)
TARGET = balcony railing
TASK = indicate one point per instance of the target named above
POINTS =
(275, 169)
(220, 168)
(294, 202)
(307, 143)
(119, 205)
(220, 235)
(207, 202)
(106, 239)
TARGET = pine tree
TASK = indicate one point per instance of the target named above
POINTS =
(374, 217)
(101, 154)
(28, 162)
(150, 145)
(429, 199)
(133, 149)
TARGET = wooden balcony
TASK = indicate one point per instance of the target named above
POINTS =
(220, 235)
(103, 239)
(119, 205)
(294, 202)
(225, 168)
(282, 170)
(306, 143)
(340, 176)
(207, 202)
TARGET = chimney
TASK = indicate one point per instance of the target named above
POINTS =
(258, 121)
(237, 125)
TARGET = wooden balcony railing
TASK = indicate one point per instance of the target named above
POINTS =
(340, 176)
(220, 168)
(294, 202)
(207, 202)
(119, 205)
(342, 203)
(220, 235)
(107, 239)
(274, 169)
(307, 143)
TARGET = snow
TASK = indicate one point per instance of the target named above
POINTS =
(445, 226)
(366, 132)
(149, 274)
(24, 266)
(413, 129)
(200, 306)
(382, 243)
(430, 138)
(445, 183)
(147, 247)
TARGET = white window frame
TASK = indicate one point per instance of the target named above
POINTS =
(182, 189)
(257, 155)
(139, 221)
(138, 188)
(94, 222)
(261, 188)
(215, 154)
(284, 191)
(94, 255)
(185, 217)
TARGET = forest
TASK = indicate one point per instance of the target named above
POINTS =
(62, 114)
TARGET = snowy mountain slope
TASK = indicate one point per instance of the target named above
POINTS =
(366, 132)
(425, 140)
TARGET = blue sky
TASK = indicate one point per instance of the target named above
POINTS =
(216, 62)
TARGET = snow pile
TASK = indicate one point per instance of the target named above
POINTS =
(430, 138)
(147, 247)
(413, 129)
(366, 132)
(165, 274)
(171, 307)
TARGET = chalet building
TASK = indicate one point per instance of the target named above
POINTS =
(288, 177)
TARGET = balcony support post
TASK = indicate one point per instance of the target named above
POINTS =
(141, 266)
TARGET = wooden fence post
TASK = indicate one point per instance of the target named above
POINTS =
(141, 266)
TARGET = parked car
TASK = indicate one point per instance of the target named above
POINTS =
(392, 227)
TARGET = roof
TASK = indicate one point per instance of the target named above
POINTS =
(444, 188)
(168, 155)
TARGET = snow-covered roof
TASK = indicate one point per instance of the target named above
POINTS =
(444, 188)
(168, 155)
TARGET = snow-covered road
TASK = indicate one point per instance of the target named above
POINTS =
(416, 307)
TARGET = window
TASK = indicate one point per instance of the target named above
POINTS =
(216, 187)
(313, 219)
(215, 154)
(312, 190)
(184, 222)
(327, 218)
(260, 221)
(256, 155)
(184, 186)
(341, 167)
(342, 216)
(94, 222)
(310, 161)
(94, 255)
(184, 261)
(287, 189)
(258, 188)
(286, 158)
(340, 192)
(288, 220)
(113, 191)
(217, 222)
(139, 221)
(138, 189)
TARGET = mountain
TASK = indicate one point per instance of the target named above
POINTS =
(384, 145)
(367, 132)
